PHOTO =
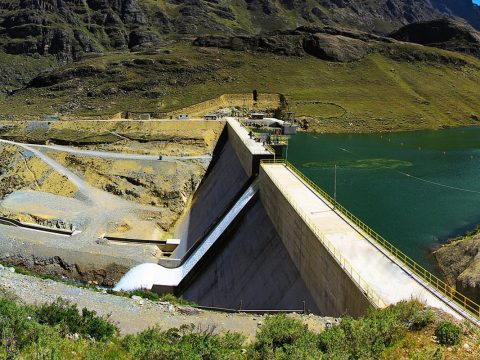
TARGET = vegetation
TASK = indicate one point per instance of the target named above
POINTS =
(448, 333)
(60, 331)
(396, 87)
(153, 296)
(36, 332)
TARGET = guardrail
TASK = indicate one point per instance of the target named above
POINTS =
(36, 227)
(343, 262)
(464, 302)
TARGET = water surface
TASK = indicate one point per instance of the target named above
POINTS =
(416, 189)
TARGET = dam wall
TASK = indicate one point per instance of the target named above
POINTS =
(249, 152)
(235, 161)
(333, 290)
(251, 270)
(269, 259)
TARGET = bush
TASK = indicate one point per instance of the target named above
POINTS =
(17, 329)
(368, 337)
(282, 337)
(152, 296)
(70, 321)
(413, 314)
(184, 343)
(448, 333)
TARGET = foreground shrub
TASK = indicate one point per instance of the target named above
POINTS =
(282, 337)
(45, 332)
(187, 342)
(448, 333)
(17, 329)
(66, 316)
(368, 337)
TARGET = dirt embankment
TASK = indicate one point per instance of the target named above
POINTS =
(176, 138)
(118, 188)
(460, 262)
(163, 184)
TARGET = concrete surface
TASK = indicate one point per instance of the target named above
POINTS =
(223, 181)
(254, 267)
(249, 151)
(146, 275)
(382, 273)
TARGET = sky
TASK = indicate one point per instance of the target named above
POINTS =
(476, 2)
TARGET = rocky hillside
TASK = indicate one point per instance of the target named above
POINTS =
(69, 29)
(459, 261)
(102, 56)
(444, 34)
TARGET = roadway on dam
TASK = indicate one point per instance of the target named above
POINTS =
(383, 273)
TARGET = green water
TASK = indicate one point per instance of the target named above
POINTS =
(416, 189)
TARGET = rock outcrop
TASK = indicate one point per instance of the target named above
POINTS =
(460, 263)
(444, 33)
(332, 44)
(67, 29)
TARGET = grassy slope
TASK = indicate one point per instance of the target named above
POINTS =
(376, 93)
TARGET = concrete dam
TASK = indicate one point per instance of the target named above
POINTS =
(260, 236)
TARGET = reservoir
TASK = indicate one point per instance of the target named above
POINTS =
(416, 189)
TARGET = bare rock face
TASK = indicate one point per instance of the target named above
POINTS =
(335, 47)
(460, 263)
(444, 33)
(69, 28)
(332, 44)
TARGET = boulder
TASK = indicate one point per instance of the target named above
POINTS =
(444, 33)
(335, 47)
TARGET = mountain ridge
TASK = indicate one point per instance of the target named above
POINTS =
(68, 30)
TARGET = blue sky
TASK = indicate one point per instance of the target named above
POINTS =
(476, 1)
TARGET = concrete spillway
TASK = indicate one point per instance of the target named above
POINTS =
(144, 276)
(261, 238)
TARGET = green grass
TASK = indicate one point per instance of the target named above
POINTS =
(382, 92)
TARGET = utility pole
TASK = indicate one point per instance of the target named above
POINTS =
(335, 189)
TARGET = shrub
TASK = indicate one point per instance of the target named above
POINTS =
(413, 314)
(369, 336)
(282, 337)
(70, 321)
(187, 342)
(17, 329)
(448, 333)
(153, 296)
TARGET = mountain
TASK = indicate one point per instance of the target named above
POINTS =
(68, 29)
(39, 37)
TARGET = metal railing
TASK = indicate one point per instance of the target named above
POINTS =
(461, 300)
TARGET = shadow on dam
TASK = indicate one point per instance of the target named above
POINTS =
(249, 266)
